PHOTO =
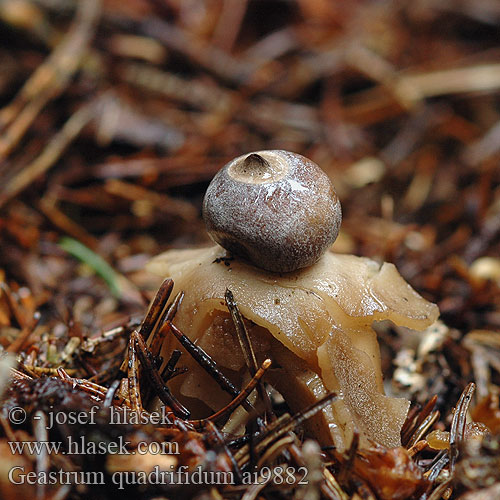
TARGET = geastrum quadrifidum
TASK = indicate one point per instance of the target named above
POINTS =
(311, 311)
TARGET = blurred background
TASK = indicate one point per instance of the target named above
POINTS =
(115, 115)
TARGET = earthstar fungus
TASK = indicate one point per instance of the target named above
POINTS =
(307, 308)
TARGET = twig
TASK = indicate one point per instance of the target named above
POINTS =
(206, 362)
(24, 334)
(246, 347)
(170, 371)
(133, 379)
(151, 371)
(153, 313)
(423, 427)
(48, 205)
(182, 209)
(110, 394)
(96, 390)
(155, 308)
(237, 400)
(282, 425)
(458, 422)
(220, 440)
(229, 23)
(411, 424)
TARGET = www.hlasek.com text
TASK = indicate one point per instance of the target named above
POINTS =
(82, 446)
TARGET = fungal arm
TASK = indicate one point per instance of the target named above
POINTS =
(320, 317)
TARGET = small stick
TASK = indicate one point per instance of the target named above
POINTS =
(18, 343)
(206, 362)
(13, 305)
(343, 477)
(197, 424)
(133, 381)
(132, 192)
(85, 385)
(222, 442)
(423, 428)
(458, 422)
(440, 490)
(284, 424)
(161, 389)
(411, 424)
(417, 447)
(156, 308)
(300, 417)
(153, 313)
(48, 205)
(195, 93)
(168, 315)
(89, 345)
(170, 371)
(110, 394)
(242, 332)
(246, 347)
(256, 438)
(441, 461)
(275, 450)
(17, 375)
(229, 24)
